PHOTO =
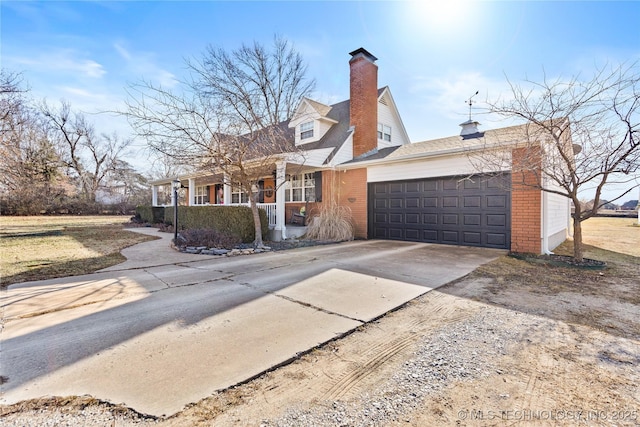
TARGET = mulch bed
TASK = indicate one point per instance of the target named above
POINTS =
(561, 261)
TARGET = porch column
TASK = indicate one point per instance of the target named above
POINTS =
(280, 230)
(227, 190)
(154, 195)
(173, 197)
(192, 192)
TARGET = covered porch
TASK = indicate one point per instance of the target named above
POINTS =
(288, 192)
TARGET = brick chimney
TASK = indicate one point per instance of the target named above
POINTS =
(364, 101)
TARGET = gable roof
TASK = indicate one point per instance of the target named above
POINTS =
(322, 109)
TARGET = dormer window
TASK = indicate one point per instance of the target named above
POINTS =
(306, 130)
(384, 132)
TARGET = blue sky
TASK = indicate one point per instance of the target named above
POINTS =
(433, 55)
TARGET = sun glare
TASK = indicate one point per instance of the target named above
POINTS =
(444, 18)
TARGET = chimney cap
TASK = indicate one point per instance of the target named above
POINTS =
(364, 52)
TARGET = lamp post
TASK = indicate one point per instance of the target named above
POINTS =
(176, 185)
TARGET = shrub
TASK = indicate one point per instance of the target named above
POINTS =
(235, 220)
(209, 238)
(332, 224)
(150, 214)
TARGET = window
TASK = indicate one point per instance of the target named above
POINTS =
(201, 195)
(306, 130)
(300, 188)
(239, 196)
(384, 132)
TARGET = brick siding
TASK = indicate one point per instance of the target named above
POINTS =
(348, 189)
(526, 202)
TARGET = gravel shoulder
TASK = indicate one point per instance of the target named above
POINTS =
(511, 343)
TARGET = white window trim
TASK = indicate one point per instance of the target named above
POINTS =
(307, 130)
(238, 196)
(384, 132)
(200, 195)
(306, 190)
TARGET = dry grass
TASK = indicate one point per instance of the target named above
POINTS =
(614, 234)
(617, 243)
(37, 248)
(333, 224)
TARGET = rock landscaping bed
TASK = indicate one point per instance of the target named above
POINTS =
(247, 249)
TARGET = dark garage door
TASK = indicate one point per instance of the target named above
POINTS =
(451, 210)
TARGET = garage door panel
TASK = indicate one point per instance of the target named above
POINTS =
(471, 184)
(396, 233)
(381, 203)
(412, 202)
(472, 219)
(430, 202)
(497, 201)
(430, 218)
(412, 218)
(430, 236)
(471, 202)
(452, 210)
(413, 187)
(450, 219)
(396, 218)
(472, 238)
(450, 202)
(412, 234)
(395, 188)
(430, 186)
(497, 240)
(450, 184)
(496, 220)
(380, 218)
(396, 203)
(450, 236)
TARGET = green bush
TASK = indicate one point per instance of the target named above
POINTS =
(235, 220)
(150, 214)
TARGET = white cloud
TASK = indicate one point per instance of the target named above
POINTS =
(143, 65)
(124, 53)
(64, 60)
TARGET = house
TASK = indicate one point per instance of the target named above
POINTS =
(357, 154)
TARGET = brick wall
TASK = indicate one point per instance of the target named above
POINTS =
(348, 189)
(526, 201)
(364, 102)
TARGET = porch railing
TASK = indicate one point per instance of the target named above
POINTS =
(270, 208)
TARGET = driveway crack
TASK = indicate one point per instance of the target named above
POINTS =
(295, 301)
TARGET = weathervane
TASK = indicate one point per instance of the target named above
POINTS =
(470, 102)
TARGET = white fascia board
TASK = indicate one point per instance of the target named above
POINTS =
(417, 156)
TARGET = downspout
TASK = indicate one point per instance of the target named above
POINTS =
(545, 223)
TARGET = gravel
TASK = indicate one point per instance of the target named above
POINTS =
(461, 351)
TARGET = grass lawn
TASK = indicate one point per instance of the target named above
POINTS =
(45, 247)
(615, 234)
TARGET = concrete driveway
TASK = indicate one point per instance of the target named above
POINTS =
(164, 329)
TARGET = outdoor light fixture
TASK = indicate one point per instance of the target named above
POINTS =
(176, 185)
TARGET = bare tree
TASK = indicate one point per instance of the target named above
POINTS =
(88, 157)
(231, 117)
(30, 176)
(579, 135)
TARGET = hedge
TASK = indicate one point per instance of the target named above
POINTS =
(236, 220)
(150, 214)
